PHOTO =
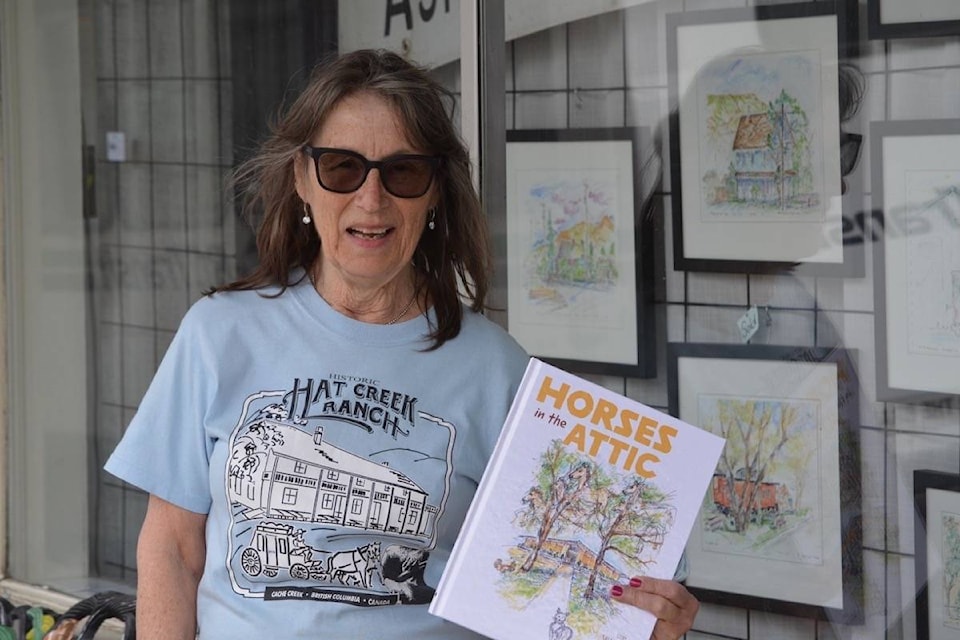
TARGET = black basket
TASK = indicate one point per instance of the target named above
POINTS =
(87, 615)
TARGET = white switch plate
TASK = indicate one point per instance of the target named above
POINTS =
(116, 146)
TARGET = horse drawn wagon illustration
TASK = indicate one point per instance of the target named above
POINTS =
(276, 546)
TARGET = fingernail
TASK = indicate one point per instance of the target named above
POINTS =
(616, 591)
(635, 582)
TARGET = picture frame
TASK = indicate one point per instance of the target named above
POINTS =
(789, 539)
(936, 496)
(755, 160)
(579, 251)
(915, 166)
(914, 19)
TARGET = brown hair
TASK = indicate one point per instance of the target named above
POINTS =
(450, 261)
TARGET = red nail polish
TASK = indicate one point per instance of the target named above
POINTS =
(616, 591)
(635, 582)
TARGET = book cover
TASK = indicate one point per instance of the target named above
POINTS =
(585, 489)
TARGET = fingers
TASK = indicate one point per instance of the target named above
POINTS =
(674, 606)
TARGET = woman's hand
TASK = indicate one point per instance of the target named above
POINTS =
(674, 606)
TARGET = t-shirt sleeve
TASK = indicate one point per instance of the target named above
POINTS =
(165, 450)
(510, 367)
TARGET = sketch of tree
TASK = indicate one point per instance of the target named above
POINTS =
(266, 434)
(797, 466)
(561, 489)
(724, 112)
(756, 432)
(630, 519)
(790, 132)
(951, 563)
(798, 454)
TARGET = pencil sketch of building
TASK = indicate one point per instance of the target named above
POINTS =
(763, 151)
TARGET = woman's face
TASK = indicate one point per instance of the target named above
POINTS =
(368, 236)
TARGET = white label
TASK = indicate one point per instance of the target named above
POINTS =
(116, 146)
(748, 324)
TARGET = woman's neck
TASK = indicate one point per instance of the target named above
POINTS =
(394, 301)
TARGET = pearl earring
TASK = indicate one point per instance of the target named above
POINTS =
(433, 216)
(306, 219)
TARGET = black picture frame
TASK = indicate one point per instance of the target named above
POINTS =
(733, 218)
(769, 561)
(592, 312)
(915, 231)
(936, 497)
(878, 29)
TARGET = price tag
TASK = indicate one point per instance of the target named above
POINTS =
(748, 324)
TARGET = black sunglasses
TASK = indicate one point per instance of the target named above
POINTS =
(402, 175)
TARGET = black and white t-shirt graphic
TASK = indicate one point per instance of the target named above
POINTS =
(336, 485)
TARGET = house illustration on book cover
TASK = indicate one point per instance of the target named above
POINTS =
(586, 489)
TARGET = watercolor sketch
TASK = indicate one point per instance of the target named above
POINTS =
(932, 262)
(576, 286)
(764, 497)
(580, 528)
(759, 118)
(950, 526)
(571, 266)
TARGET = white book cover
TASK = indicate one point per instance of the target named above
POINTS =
(585, 489)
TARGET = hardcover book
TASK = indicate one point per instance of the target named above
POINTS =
(585, 489)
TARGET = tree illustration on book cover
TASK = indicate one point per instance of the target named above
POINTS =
(571, 499)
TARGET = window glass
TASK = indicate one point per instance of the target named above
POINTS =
(763, 226)
(147, 108)
(790, 194)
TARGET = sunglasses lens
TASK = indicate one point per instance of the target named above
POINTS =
(340, 172)
(407, 177)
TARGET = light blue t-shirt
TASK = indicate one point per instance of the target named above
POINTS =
(335, 460)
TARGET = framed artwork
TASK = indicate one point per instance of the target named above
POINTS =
(779, 529)
(936, 497)
(914, 19)
(916, 190)
(755, 146)
(579, 253)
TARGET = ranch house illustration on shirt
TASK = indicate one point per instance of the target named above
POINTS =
(322, 483)
(322, 502)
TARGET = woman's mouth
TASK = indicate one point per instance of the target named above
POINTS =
(369, 234)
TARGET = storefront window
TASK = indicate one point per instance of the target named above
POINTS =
(792, 177)
(769, 140)
(154, 103)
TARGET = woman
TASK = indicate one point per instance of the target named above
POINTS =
(317, 429)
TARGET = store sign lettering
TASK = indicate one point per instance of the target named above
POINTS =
(428, 31)
(404, 9)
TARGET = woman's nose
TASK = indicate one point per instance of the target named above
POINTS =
(371, 193)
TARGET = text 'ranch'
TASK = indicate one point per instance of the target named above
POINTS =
(622, 437)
